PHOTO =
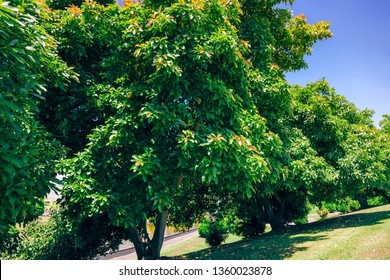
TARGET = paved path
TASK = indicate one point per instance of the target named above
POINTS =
(128, 252)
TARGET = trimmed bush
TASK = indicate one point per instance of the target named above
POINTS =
(323, 212)
(331, 207)
(215, 232)
(343, 207)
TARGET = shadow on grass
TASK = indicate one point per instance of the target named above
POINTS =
(357, 219)
(283, 244)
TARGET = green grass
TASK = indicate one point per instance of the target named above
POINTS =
(359, 235)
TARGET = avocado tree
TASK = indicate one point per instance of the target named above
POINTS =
(279, 42)
(182, 113)
(345, 137)
(362, 169)
(27, 152)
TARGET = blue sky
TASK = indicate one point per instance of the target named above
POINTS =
(356, 61)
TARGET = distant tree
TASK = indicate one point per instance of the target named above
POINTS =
(279, 42)
(362, 169)
(345, 137)
(385, 124)
(384, 138)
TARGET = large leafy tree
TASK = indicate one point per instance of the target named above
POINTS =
(279, 42)
(362, 169)
(27, 153)
(345, 137)
(183, 113)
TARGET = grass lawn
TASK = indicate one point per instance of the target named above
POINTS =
(360, 235)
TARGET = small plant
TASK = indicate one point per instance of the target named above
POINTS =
(36, 239)
(323, 212)
(343, 207)
(215, 232)
(377, 201)
(354, 205)
(301, 221)
(331, 207)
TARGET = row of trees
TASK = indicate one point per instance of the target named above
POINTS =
(167, 110)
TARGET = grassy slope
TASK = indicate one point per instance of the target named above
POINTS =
(360, 235)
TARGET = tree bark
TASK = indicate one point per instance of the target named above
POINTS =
(150, 249)
(274, 207)
(362, 198)
(274, 214)
(158, 235)
(141, 241)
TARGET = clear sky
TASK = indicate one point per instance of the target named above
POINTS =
(356, 61)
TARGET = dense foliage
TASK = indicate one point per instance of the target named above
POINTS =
(27, 152)
(180, 110)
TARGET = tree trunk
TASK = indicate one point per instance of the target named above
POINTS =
(362, 198)
(141, 241)
(274, 207)
(150, 249)
(274, 214)
(158, 235)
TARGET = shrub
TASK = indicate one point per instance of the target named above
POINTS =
(377, 201)
(215, 232)
(331, 207)
(55, 238)
(343, 207)
(246, 218)
(323, 212)
(9, 242)
(354, 205)
(250, 227)
(34, 241)
(301, 221)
